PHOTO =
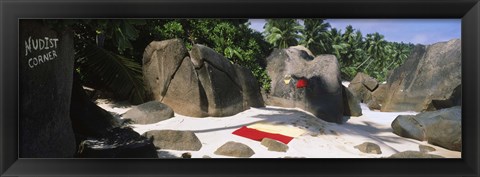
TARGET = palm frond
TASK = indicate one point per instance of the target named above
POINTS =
(120, 74)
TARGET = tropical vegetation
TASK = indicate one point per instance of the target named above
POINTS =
(370, 54)
(109, 51)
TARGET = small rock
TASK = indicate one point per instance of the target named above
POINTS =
(149, 113)
(426, 149)
(274, 145)
(368, 147)
(414, 154)
(234, 149)
(167, 155)
(333, 132)
(174, 139)
(187, 155)
(206, 156)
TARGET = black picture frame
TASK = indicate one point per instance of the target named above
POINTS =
(12, 11)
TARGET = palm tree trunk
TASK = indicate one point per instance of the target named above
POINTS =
(388, 67)
(366, 67)
(363, 62)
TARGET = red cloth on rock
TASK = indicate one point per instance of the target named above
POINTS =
(258, 135)
(302, 83)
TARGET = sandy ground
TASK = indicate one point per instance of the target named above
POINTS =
(321, 140)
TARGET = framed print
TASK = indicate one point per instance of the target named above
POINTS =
(239, 88)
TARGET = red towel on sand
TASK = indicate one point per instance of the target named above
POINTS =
(302, 83)
(258, 135)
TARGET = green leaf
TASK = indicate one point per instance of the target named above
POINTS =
(120, 74)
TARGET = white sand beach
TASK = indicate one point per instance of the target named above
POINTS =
(320, 140)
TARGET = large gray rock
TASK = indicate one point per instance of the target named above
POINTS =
(174, 139)
(46, 60)
(367, 90)
(161, 60)
(414, 154)
(323, 94)
(185, 95)
(250, 88)
(409, 127)
(234, 149)
(306, 53)
(453, 99)
(378, 97)
(149, 113)
(199, 85)
(374, 105)
(219, 81)
(380, 93)
(362, 86)
(303, 52)
(351, 105)
(431, 74)
(442, 128)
